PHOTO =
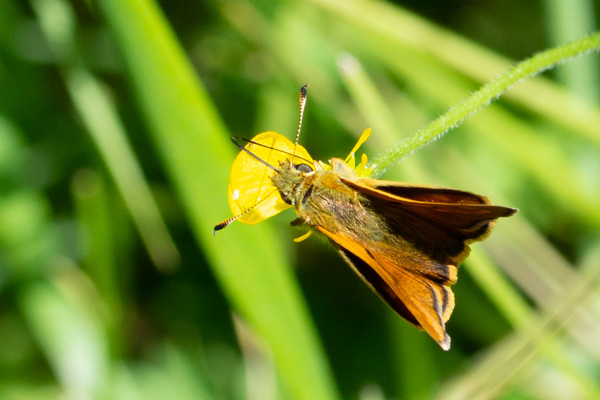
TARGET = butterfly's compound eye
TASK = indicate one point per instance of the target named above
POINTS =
(304, 168)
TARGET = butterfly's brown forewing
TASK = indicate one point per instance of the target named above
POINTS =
(404, 241)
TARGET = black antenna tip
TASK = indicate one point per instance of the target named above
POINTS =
(303, 90)
(220, 226)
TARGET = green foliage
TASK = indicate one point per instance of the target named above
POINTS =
(114, 162)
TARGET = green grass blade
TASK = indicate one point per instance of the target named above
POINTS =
(567, 20)
(394, 32)
(482, 97)
(102, 121)
(63, 314)
(248, 261)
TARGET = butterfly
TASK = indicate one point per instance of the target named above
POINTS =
(405, 241)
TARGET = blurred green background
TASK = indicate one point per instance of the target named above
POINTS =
(115, 118)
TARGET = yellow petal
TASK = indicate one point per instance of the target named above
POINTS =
(350, 160)
(250, 186)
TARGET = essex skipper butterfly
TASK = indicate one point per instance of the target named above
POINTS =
(405, 241)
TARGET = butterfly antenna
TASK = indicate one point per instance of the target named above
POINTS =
(302, 105)
(243, 148)
(227, 222)
(234, 138)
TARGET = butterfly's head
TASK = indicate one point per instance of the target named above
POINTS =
(289, 179)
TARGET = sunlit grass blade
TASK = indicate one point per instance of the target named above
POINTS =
(497, 370)
(248, 261)
(368, 101)
(484, 96)
(172, 374)
(392, 30)
(103, 123)
(567, 20)
(63, 314)
(499, 130)
(101, 233)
